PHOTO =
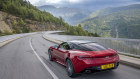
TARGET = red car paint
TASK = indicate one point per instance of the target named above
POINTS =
(84, 59)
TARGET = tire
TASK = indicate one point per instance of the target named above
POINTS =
(116, 66)
(70, 68)
(50, 55)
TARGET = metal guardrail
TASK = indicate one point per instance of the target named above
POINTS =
(122, 45)
(128, 46)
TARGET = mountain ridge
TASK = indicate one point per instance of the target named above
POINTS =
(118, 22)
(110, 10)
(70, 15)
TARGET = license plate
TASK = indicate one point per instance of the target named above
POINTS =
(107, 66)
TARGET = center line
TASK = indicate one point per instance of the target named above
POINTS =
(49, 70)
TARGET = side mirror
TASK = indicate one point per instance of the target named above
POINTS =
(56, 46)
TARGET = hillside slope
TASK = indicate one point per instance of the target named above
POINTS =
(19, 16)
(13, 24)
(120, 22)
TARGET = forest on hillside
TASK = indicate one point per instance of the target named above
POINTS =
(24, 9)
(121, 22)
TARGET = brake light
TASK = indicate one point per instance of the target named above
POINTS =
(85, 57)
(115, 55)
(91, 57)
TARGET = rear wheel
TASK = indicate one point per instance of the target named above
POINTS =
(50, 55)
(70, 68)
(117, 64)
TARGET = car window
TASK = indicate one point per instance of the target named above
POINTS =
(61, 45)
(64, 46)
(88, 47)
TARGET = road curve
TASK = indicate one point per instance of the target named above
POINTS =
(18, 61)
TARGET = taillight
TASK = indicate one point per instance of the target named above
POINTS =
(85, 57)
(115, 55)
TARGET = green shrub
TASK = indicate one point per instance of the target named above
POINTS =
(6, 32)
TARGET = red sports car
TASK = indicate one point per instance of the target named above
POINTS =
(81, 55)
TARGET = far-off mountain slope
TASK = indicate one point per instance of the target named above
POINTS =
(120, 22)
(70, 15)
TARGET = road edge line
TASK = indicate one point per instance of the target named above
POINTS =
(46, 67)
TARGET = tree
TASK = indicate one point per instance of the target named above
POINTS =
(25, 30)
(24, 9)
(61, 20)
(0, 32)
(22, 23)
(15, 23)
(6, 32)
(67, 27)
(79, 31)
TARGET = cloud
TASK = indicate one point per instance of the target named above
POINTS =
(85, 4)
(43, 2)
(74, 1)
(53, 1)
(33, 1)
(100, 4)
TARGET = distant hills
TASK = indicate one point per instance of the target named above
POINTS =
(118, 22)
(70, 15)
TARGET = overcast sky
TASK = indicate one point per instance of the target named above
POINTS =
(84, 3)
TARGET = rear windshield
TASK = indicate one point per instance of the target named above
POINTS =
(88, 47)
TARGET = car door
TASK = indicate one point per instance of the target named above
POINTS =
(54, 52)
(62, 51)
(58, 51)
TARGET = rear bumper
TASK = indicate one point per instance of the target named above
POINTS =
(99, 67)
(95, 64)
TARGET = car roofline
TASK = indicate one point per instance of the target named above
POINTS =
(87, 42)
(81, 41)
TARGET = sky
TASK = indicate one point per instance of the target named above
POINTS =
(89, 4)
(50, 2)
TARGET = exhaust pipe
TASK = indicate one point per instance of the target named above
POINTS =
(88, 71)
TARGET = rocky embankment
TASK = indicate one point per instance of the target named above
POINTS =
(13, 24)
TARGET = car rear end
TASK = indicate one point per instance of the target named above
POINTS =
(101, 60)
(102, 63)
(91, 55)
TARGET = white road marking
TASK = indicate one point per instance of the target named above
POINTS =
(49, 70)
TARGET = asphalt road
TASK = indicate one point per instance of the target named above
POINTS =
(18, 60)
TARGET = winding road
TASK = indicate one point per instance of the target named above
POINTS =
(27, 58)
